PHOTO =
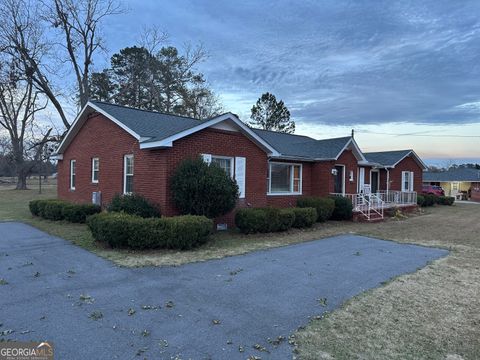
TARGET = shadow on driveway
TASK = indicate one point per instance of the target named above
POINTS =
(218, 309)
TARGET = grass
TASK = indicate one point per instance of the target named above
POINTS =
(430, 314)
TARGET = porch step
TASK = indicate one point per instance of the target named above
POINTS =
(374, 217)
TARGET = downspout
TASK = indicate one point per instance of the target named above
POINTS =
(388, 181)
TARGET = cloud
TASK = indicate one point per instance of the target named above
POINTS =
(332, 62)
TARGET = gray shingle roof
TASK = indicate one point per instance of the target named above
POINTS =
(452, 175)
(157, 126)
(151, 124)
(303, 146)
(386, 158)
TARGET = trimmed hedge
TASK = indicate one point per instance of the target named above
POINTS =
(429, 200)
(324, 206)
(78, 213)
(135, 232)
(420, 200)
(304, 217)
(54, 209)
(134, 204)
(343, 208)
(265, 220)
(445, 200)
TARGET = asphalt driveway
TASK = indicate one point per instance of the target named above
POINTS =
(221, 309)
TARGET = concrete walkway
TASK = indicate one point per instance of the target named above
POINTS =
(91, 309)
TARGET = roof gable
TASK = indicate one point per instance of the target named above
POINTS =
(392, 158)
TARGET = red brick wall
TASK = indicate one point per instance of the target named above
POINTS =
(407, 164)
(99, 137)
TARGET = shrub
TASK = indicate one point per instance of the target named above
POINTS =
(124, 230)
(78, 213)
(429, 200)
(343, 208)
(445, 200)
(53, 210)
(251, 221)
(324, 206)
(286, 218)
(134, 204)
(37, 206)
(187, 231)
(202, 189)
(33, 206)
(420, 200)
(114, 229)
(264, 220)
(304, 217)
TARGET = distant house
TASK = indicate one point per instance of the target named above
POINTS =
(114, 149)
(458, 182)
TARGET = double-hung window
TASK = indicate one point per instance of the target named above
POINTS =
(284, 178)
(73, 165)
(226, 163)
(95, 170)
(128, 174)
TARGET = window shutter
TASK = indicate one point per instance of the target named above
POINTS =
(240, 170)
(411, 181)
(207, 158)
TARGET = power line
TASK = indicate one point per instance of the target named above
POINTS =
(416, 134)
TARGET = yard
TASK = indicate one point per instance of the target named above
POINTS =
(430, 314)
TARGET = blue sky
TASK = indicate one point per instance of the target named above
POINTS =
(380, 67)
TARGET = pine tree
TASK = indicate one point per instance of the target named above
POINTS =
(270, 114)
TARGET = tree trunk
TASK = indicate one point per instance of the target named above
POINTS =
(21, 180)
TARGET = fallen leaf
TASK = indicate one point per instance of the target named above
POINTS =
(322, 301)
(145, 333)
(131, 312)
(216, 322)
(169, 304)
(96, 315)
(3, 282)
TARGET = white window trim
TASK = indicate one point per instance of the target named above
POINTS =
(410, 182)
(73, 173)
(93, 169)
(125, 157)
(232, 162)
(285, 193)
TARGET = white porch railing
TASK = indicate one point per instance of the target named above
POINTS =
(368, 204)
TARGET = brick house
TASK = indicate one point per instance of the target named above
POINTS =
(112, 149)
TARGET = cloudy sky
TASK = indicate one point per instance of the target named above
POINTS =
(403, 74)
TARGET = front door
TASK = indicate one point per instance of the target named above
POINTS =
(374, 181)
(338, 180)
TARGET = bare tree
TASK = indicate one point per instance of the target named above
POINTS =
(22, 37)
(19, 102)
(78, 22)
(25, 36)
(151, 38)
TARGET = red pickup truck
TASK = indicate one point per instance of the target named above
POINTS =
(433, 190)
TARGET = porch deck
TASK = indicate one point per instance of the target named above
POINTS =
(372, 205)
